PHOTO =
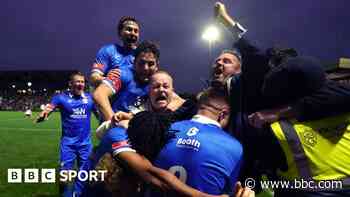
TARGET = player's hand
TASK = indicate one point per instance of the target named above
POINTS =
(221, 15)
(262, 118)
(175, 103)
(42, 116)
(114, 73)
(124, 123)
(120, 115)
(243, 191)
(101, 130)
(96, 78)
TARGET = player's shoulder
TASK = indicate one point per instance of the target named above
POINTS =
(182, 126)
(59, 96)
(181, 123)
(109, 48)
(88, 95)
(226, 140)
(126, 74)
(116, 134)
(230, 142)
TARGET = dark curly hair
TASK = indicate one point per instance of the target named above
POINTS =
(149, 131)
(148, 46)
(123, 20)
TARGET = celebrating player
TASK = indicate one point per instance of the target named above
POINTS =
(161, 95)
(128, 88)
(132, 83)
(75, 106)
(113, 56)
(198, 150)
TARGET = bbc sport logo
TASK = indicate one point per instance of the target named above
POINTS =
(48, 175)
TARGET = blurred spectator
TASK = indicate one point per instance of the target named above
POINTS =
(20, 101)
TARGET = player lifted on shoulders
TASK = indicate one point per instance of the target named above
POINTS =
(113, 56)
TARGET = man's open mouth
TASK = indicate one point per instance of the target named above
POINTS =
(161, 98)
(131, 39)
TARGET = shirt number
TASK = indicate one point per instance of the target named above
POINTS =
(181, 172)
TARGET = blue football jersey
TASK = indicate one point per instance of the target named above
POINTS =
(202, 155)
(131, 93)
(112, 56)
(75, 116)
(114, 141)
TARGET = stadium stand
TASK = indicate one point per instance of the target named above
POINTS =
(21, 90)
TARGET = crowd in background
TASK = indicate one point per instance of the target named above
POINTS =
(19, 101)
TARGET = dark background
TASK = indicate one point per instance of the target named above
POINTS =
(66, 34)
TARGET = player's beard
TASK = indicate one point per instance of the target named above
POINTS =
(143, 78)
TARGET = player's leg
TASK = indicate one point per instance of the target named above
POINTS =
(84, 163)
(67, 158)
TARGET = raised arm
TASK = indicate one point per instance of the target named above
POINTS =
(246, 48)
(221, 15)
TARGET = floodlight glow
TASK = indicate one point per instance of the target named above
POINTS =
(211, 34)
(29, 84)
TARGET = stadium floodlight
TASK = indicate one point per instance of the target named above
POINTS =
(13, 86)
(211, 34)
(44, 89)
(29, 84)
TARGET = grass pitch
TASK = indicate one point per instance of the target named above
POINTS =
(24, 144)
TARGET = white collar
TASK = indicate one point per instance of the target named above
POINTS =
(205, 120)
(82, 95)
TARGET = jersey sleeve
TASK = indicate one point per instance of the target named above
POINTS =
(233, 165)
(101, 63)
(232, 179)
(115, 82)
(119, 141)
(214, 181)
(55, 102)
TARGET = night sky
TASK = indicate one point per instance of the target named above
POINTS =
(62, 34)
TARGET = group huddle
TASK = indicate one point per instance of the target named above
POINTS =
(154, 142)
